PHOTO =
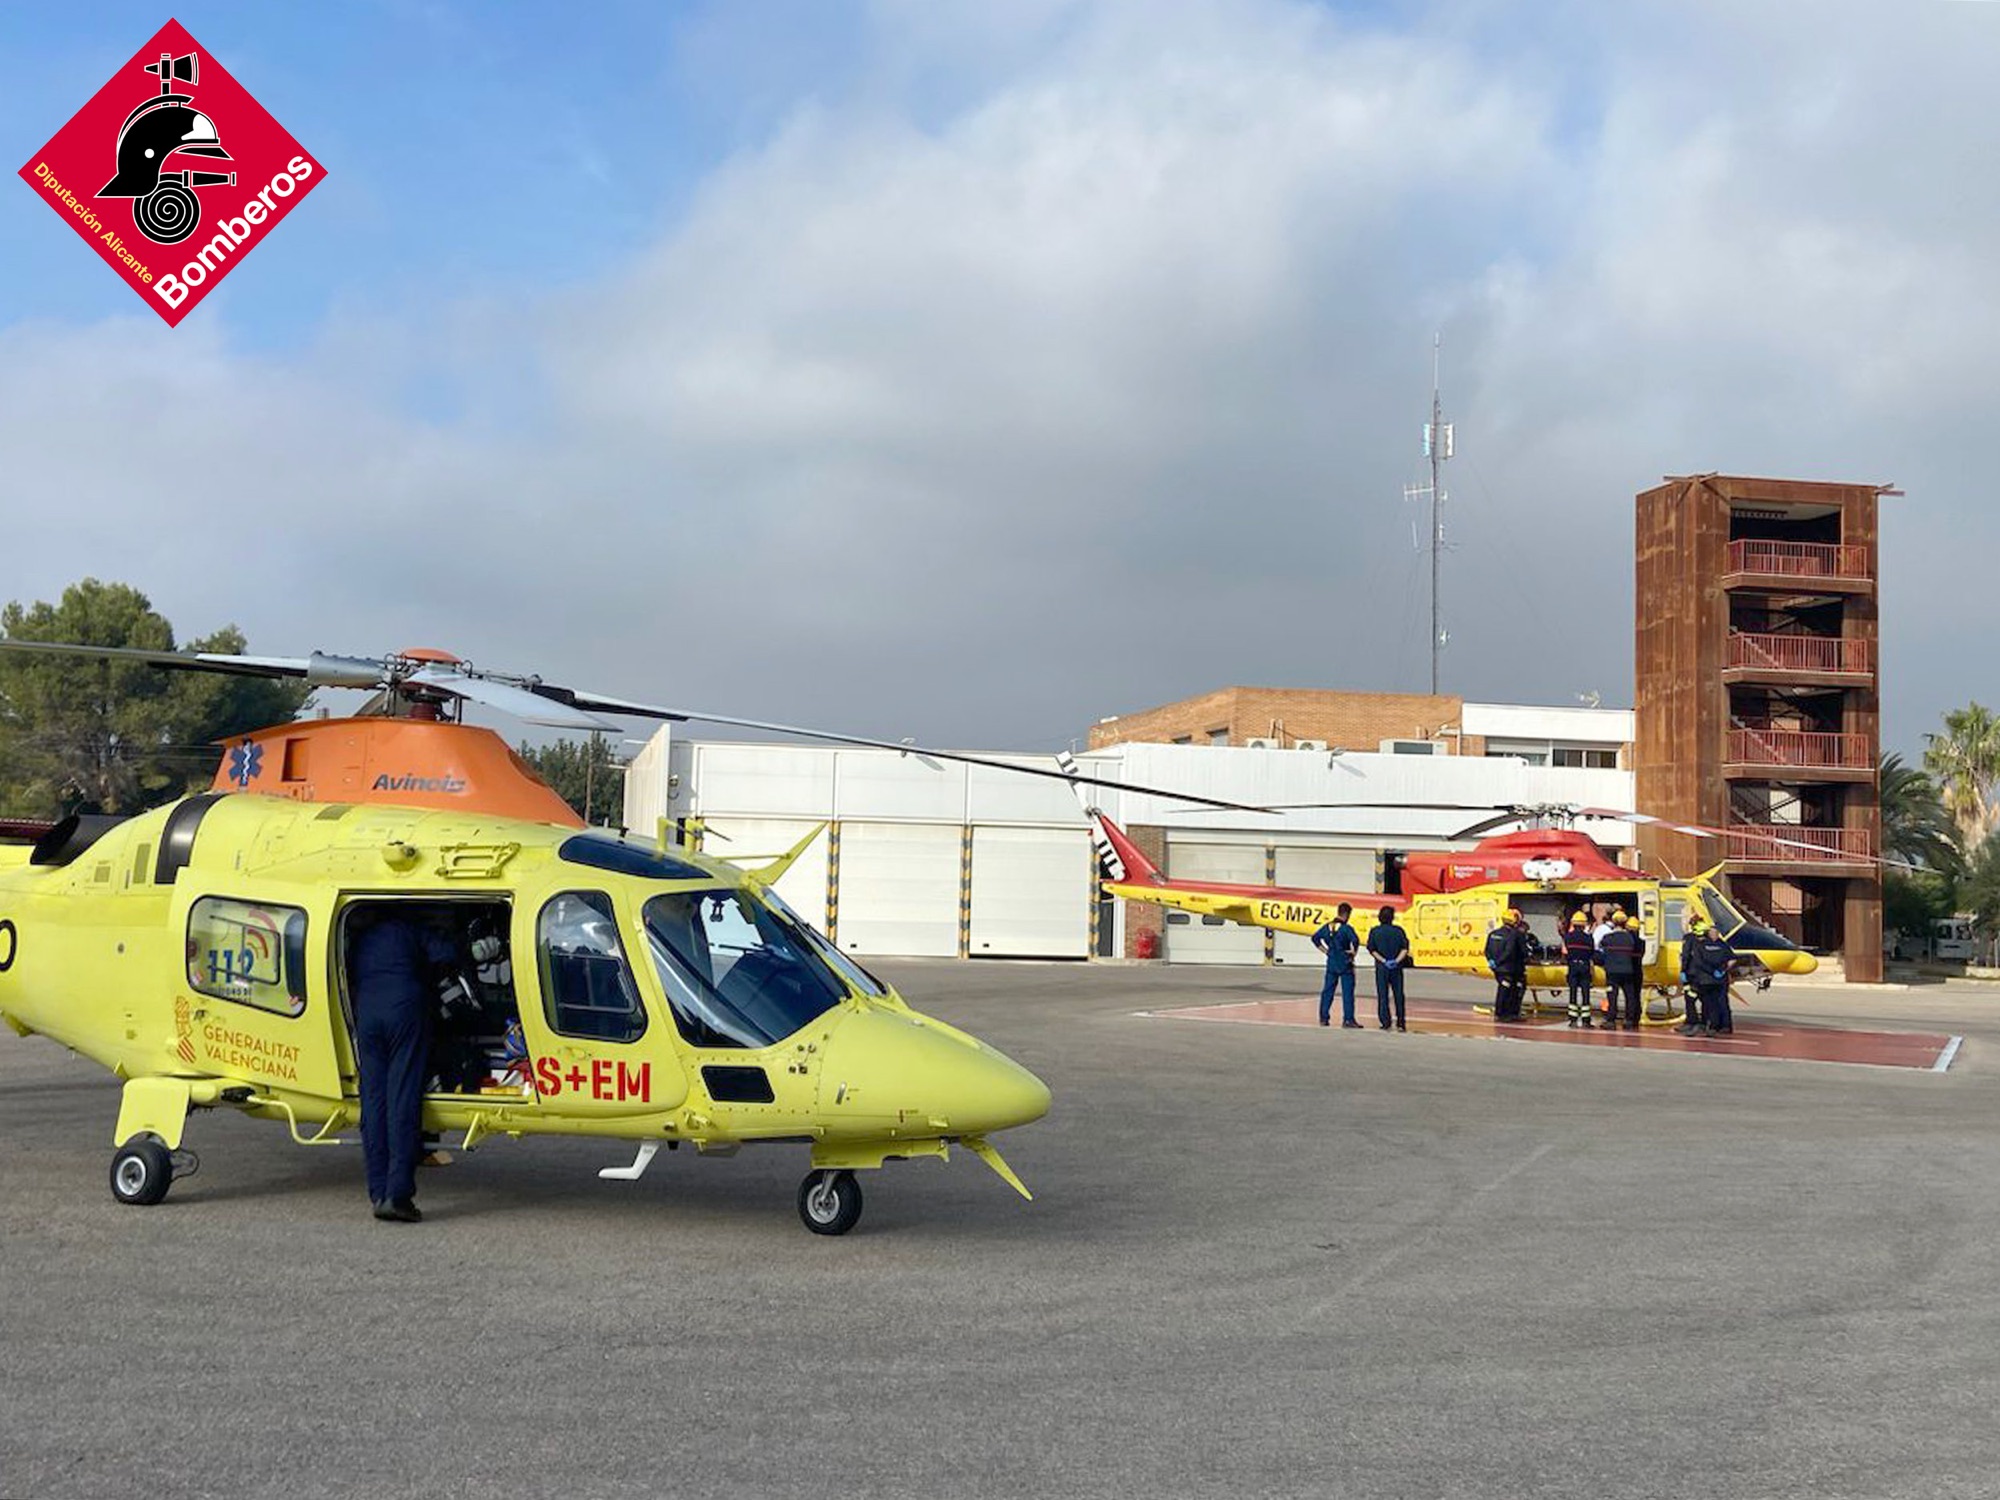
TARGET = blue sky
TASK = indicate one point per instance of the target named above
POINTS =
(471, 149)
(921, 346)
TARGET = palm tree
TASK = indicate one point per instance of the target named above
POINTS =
(1915, 826)
(1964, 761)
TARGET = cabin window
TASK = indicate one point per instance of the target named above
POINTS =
(248, 952)
(587, 986)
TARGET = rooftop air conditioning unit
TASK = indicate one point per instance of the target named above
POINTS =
(1308, 744)
(1413, 747)
(1260, 744)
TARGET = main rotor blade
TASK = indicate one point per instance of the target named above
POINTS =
(1486, 825)
(591, 702)
(1700, 831)
(319, 669)
(509, 699)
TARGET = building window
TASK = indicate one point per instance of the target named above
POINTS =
(1183, 739)
(248, 952)
(1218, 736)
(1576, 757)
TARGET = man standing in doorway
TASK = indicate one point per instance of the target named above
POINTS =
(1507, 957)
(1337, 941)
(1622, 953)
(389, 958)
(1579, 956)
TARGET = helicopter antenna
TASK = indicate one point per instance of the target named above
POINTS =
(1437, 448)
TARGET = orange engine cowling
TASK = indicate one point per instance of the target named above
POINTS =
(391, 762)
(1532, 854)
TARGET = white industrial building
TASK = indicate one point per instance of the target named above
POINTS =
(937, 858)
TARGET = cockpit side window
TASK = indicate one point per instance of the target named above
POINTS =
(1725, 916)
(587, 986)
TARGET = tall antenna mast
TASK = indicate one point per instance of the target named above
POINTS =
(1437, 448)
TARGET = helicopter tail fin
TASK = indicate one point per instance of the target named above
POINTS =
(1117, 855)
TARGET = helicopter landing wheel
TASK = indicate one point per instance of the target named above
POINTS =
(141, 1172)
(830, 1202)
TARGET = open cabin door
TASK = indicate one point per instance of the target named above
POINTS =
(1649, 923)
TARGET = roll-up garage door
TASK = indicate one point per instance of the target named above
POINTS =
(1316, 868)
(899, 889)
(1210, 940)
(750, 842)
(1031, 893)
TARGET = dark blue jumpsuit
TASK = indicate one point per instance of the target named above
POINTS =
(1713, 958)
(388, 975)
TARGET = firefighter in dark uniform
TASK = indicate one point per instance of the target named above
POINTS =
(1709, 967)
(1621, 953)
(1579, 956)
(1690, 988)
(389, 976)
(1507, 957)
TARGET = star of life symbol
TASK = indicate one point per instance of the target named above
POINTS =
(245, 761)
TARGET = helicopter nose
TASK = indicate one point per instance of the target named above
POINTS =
(1798, 961)
(908, 1073)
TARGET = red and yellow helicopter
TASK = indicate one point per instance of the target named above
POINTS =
(1448, 902)
(624, 988)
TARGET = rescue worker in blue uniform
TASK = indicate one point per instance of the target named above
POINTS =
(1390, 947)
(1622, 954)
(1579, 955)
(389, 977)
(1709, 967)
(1507, 957)
(1690, 991)
(1337, 941)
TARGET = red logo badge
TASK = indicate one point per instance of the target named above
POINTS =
(172, 172)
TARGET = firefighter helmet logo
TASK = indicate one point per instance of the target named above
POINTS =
(199, 173)
(168, 125)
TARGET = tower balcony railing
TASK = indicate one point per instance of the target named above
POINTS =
(1803, 560)
(1793, 844)
(1799, 749)
(1828, 655)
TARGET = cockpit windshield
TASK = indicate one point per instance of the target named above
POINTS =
(1720, 912)
(842, 964)
(737, 972)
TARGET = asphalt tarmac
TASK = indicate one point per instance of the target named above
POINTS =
(1262, 1261)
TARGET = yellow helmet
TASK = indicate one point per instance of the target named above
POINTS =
(1511, 917)
(1578, 919)
(1696, 924)
(1620, 919)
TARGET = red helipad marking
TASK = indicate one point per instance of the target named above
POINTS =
(1790, 1040)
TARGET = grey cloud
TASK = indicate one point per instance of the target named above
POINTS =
(1099, 384)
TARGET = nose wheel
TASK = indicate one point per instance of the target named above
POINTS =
(829, 1201)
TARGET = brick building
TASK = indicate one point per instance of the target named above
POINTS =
(1403, 723)
(1757, 704)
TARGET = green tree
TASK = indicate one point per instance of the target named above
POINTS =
(584, 774)
(1916, 828)
(1979, 890)
(1913, 899)
(114, 735)
(1964, 762)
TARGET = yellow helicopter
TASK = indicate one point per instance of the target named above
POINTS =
(1448, 902)
(605, 986)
